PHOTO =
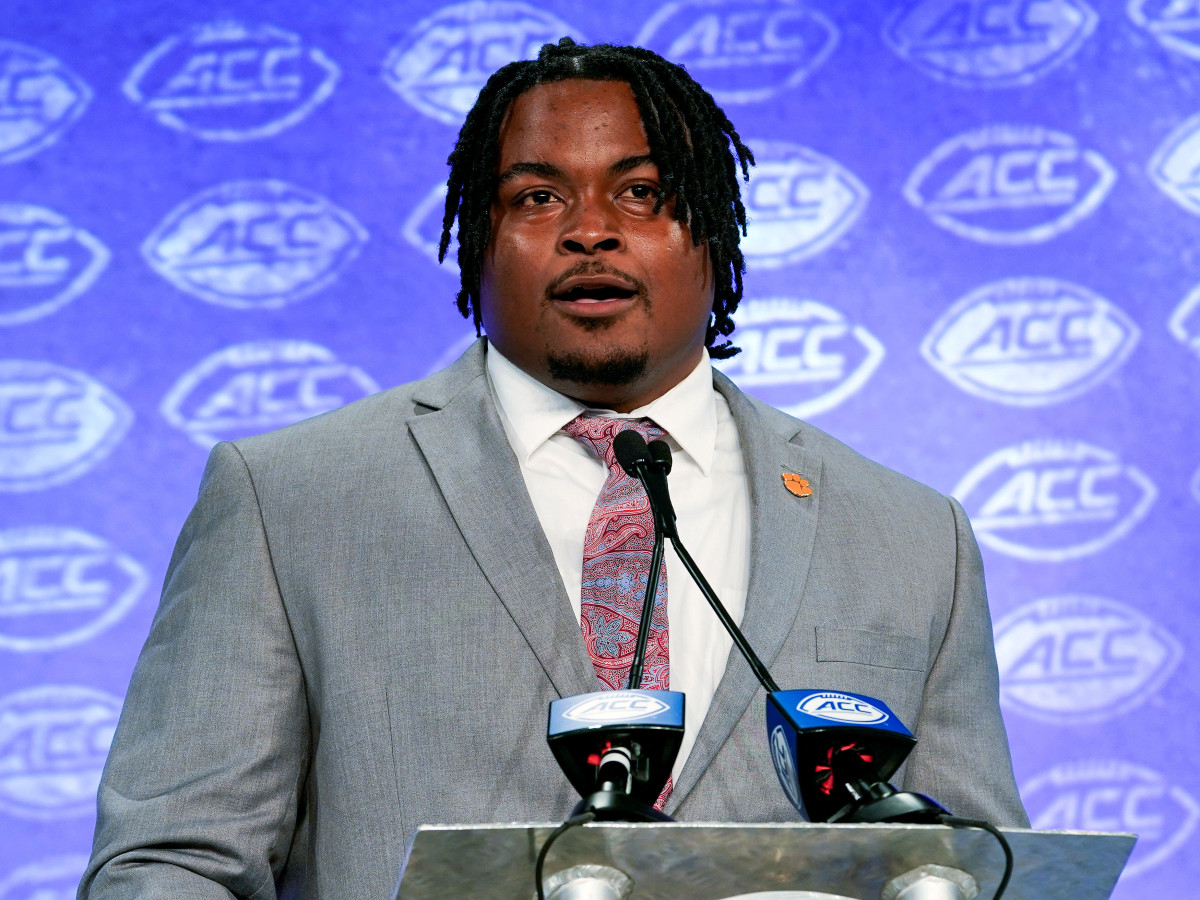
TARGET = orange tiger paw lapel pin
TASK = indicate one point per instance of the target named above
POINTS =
(796, 484)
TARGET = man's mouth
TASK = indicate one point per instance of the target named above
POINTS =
(591, 290)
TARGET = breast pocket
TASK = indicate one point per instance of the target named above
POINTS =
(884, 649)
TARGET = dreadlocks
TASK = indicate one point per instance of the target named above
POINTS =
(689, 139)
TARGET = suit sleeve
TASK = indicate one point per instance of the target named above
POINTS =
(962, 757)
(199, 794)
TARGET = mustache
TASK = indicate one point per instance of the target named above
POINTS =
(595, 267)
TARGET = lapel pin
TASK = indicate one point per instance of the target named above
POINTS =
(796, 484)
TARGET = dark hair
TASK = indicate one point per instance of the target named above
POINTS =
(689, 137)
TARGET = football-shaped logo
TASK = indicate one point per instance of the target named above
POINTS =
(1174, 23)
(53, 878)
(989, 43)
(798, 203)
(55, 424)
(842, 708)
(1175, 164)
(1030, 341)
(227, 81)
(1185, 321)
(1081, 659)
(799, 355)
(1010, 184)
(254, 244)
(615, 706)
(40, 99)
(1053, 500)
(743, 51)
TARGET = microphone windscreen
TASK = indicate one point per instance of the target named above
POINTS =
(660, 452)
(630, 449)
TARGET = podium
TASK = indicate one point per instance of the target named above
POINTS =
(801, 861)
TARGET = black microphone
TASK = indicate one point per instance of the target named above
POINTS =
(643, 463)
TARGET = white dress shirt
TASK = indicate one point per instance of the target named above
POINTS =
(708, 487)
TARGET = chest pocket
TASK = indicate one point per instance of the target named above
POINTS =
(871, 648)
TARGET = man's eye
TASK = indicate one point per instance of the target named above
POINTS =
(643, 192)
(537, 198)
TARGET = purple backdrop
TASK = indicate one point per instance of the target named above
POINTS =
(972, 256)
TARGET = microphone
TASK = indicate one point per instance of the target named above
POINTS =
(645, 463)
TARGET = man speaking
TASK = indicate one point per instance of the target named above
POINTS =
(367, 614)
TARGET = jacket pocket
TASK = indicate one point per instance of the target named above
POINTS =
(871, 648)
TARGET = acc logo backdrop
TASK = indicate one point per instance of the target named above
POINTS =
(1081, 659)
(989, 43)
(799, 355)
(1110, 795)
(62, 586)
(39, 100)
(45, 262)
(798, 202)
(1030, 341)
(226, 81)
(255, 387)
(1053, 500)
(54, 878)
(1185, 321)
(254, 244)
(447, 58)
(1174, 23)
(1010, 184)
(55, 424)
(742, 51)
(53, 743)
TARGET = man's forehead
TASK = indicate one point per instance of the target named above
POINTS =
(570, 114)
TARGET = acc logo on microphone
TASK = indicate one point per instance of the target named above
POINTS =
(1030, 341)
(45, 261)
(1054, 500)
(743, 51)
(55, 424)
(1185, 321)
(1081, 659)
(785, 766)
(1174, 23)
(251, 388)
(841, 708)
(1010, 184)
(53, 878)
(1110, 795)
(798, 202)
(989, 43)
(447, 58)
(254, 244)
(799, 355)
(40, 99)
(615, 706)
(53, 743)
(226, 81)
(62, 586)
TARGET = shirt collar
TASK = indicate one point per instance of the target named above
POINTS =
(535, 412)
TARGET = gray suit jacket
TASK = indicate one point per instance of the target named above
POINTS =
(362, 627)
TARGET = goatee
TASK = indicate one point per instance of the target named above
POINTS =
(613, 370)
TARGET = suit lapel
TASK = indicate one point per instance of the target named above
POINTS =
(468, 452)
(783, 531)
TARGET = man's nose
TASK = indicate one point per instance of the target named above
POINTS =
(592, 229)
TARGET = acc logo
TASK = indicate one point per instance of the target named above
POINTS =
(55, 424)
(231, 82)
(444, 61)
(1054, 500)
(615, 706)
(423, 228)
(841, 708)
(799, 355)
(1109, 795)
(1029, 341)
(1175, 166)
(1174, 23)
(989, 43)
(785, 767)
(1185, 321)
(54, 878)
(254, 244)
(45, 262)
(250, 388)
(798, 203)
(1010, 184)
(62, 586)
(1081, 659)
(53, 742)
(743, 50)
(40, 98)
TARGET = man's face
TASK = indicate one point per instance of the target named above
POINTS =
(584, 286)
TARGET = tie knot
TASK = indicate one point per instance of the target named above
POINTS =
(598, 432)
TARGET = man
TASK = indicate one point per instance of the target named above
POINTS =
(368, 613)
